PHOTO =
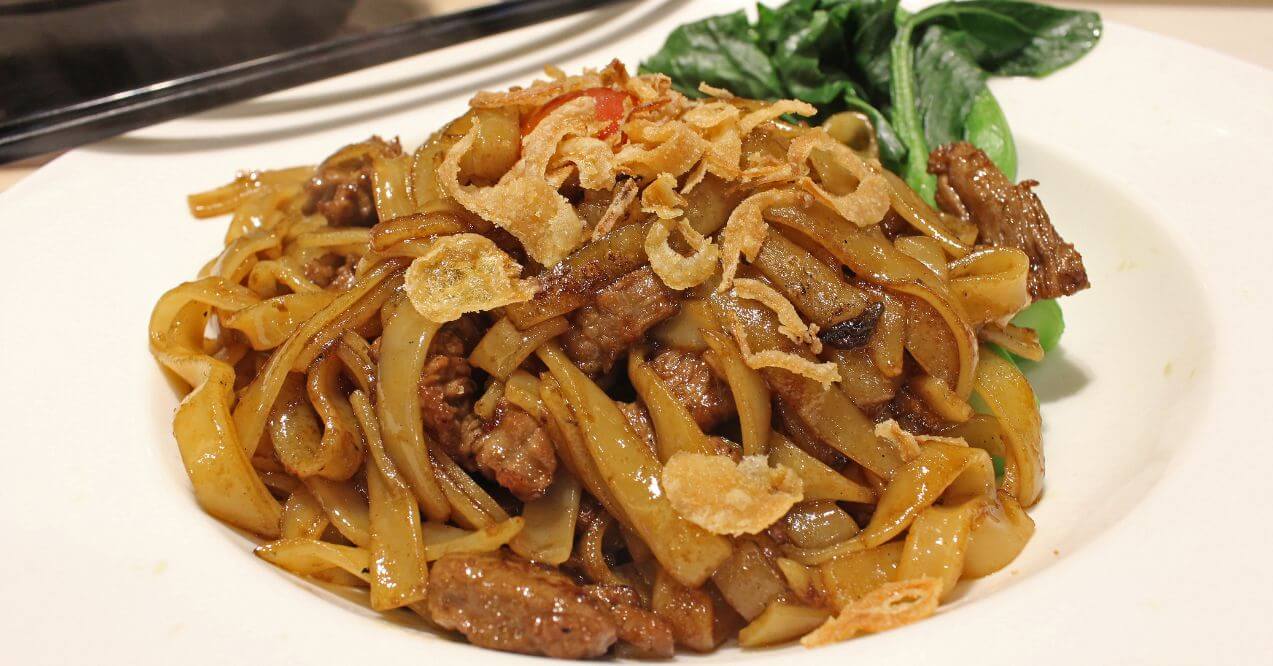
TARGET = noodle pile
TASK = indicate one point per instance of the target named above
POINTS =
(852, 483)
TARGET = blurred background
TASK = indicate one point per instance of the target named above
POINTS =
(55, 53)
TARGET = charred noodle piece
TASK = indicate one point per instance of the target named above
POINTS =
(631, 474)
(515, 606)
(1009, 216)
(572, 283)
(618, 319)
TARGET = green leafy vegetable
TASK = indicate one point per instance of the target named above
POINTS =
(920, 78)
(1046, 320)
(998, 462)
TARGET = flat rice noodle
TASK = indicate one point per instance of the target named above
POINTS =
(269, 323)
(257, 399)
(912, 208)
(227, 198)
(803, 436)
(237, 259)
(346, 509)
(926, 251)
(820, 481)
(569, 442)
(818, 524)
(341, 441)
(216, 459)
(364, 313)
(471, 506)
(1023, 342)
(751, 394)
(311, 557)
(260, 209)
(415, 227)
(399, 571)
(355, 355)
(939, 398)
(941, 470)
(1007, 392)
(631, 472)
(820, 293)
(297, 437)
(522, 390)
(683, 330)
(781, 623)
(847, 578)
(888, 345)
(504, 347)
(549, 533)
(835, 421)
(404, 347)
(303, 516)
(675, 429)
(939, 337)
(990, 284)
(391, 185)
(937, 543)
(266, 277)
(749, 580)
(999, 533)
(485, 540)
(572, 283)
(871, 256)
(860, 379)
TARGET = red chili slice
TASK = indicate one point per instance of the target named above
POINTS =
(609, 107)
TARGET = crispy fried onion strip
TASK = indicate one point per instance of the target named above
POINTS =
(823, 373)
(723, 497)
(625, 194)
(524, 202)
(592, 157)
(908, 444)
(864, 206)
(767, 113)
(464, 273)
(674, 148)
(789, 322)
(661, 198)
(745, 230)
(674, 269)
(889, 606)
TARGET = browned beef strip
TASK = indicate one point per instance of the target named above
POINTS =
(618, 318)
(516, 453)
(342, 190)
(515, 606)
(447, 391)
(650, 635)
(1007, 215)
(691, 381)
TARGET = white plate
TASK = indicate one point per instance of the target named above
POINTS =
(1151, 546)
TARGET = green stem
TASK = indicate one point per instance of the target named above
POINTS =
(906, 120)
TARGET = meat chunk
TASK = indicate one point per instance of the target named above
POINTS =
(516, 453)
(1007, 215)
(617, 319)
(516, 606)
(650, 635)
(691, 381)
(447, 389)
(342, 189)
